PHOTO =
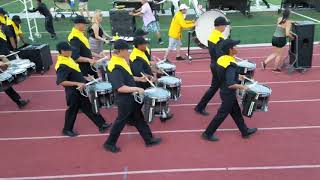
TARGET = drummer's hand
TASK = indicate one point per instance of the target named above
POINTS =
(139, 90)
(92, 61)
(245, 88)
(131, 13)
(81, 86)
(2, 64)
(2, 56)
(242, 77)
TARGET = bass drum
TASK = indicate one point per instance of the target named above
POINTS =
(205, 25)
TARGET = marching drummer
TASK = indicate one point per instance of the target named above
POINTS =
(70, 77)
(123, 82)
(226, 70)
(214, 39)
(4, 50)
(81, 48)
(178, 23)
(140, 63)
(14, 33)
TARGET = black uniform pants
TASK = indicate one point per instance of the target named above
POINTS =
(215, 84)
(75, 102)
(13, 95)
(49, 25)
(129, 112)
(229, 106)
(266, 3)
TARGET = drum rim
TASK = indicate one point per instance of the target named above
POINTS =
(8, 75)
(157, 98)
(24, 70)
(172, 77)
(250, 68)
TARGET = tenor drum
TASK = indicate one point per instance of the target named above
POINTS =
(104, 94)
(256, 99)
(31, 67)
(172, 84)
(6, 81)
(247, 68)
(169, 68)
(156, 102)
(205, 25)
(19, 74)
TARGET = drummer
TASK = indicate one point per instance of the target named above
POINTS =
(70, 77)
(81, 48)
(178, 23)
(140, 63)
(15, 32)
(214, 39)
(226, 70)
(123, 82)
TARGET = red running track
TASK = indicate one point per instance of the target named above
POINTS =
(286, 147)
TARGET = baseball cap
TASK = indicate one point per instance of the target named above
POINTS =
(2, 11)
(140, 32)
(139, 40)
(183, 6)
(221, 21)
(228, 44)
(121, 45)
(80, 20)
(63, 46)
(16, 19)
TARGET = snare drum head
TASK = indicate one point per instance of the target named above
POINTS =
(101, 86)
(169, 80)
(14, 71)
(166, 66)
(19, 61)
(26, 65)
(247, 64)
(205, 25)
(5, 76)
(157, 93)
(260, 89)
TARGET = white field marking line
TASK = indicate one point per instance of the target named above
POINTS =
(6, 4)
(185, 86)
(172, 105)
(158, 132)
(161, 171)
(307, 17)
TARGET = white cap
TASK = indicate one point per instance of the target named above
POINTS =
(183, 6)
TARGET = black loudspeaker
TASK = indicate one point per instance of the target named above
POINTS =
(39, 54)
(302, 48)
(241, 5)
(121, 22)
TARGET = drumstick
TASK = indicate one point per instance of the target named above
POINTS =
(14, 53)
(143, 75)
(164, 72)
(237, 58)
(102, 59)
(251, 80)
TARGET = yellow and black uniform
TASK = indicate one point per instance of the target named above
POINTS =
(81, 47)
(215, 38)
(128, 109)
(140, 63)
(14, 31)
(179, 23)
(226, 70)
(68, 70)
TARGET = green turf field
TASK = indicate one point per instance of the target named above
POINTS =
(258, 29)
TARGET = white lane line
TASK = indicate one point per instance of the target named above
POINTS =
(161, 171)
(156, 132)
(172, 105)
(184, 86)
(307, 17)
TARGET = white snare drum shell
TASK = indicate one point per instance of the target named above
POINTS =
(166, 66)
(103, 87)
(170, 80)
(157, 93)
(247, 64)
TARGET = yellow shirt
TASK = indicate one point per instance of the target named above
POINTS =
(3, 19)
(178, 23)
(116, 60)
(138, 53)
(215, 36)
(226, 60)
(68, 61)
(78, 34)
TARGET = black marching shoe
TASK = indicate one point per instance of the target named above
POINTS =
(111, 148)
(250, 131)
(209, 138)
(22, 103)
(202, 112)
(104, 127)
(69, 133)
(164, 119)
(153, 142)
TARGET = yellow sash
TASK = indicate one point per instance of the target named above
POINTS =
(215, 36)
(3, 20)
(78, 34)
(68, 61)
(116, 60)
(17, 30)
(2, 35)
(138, 53)
(226, 60)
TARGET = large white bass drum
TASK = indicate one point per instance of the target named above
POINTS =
(205, 25)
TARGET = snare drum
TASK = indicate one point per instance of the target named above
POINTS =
(246, 68)
(256, 99)
(156, 102)
(19, 74)
(172, 84)
(169, 68)
(205, 25)
(31, 67)
(18, 62)
(104, 94)
(6, 81)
